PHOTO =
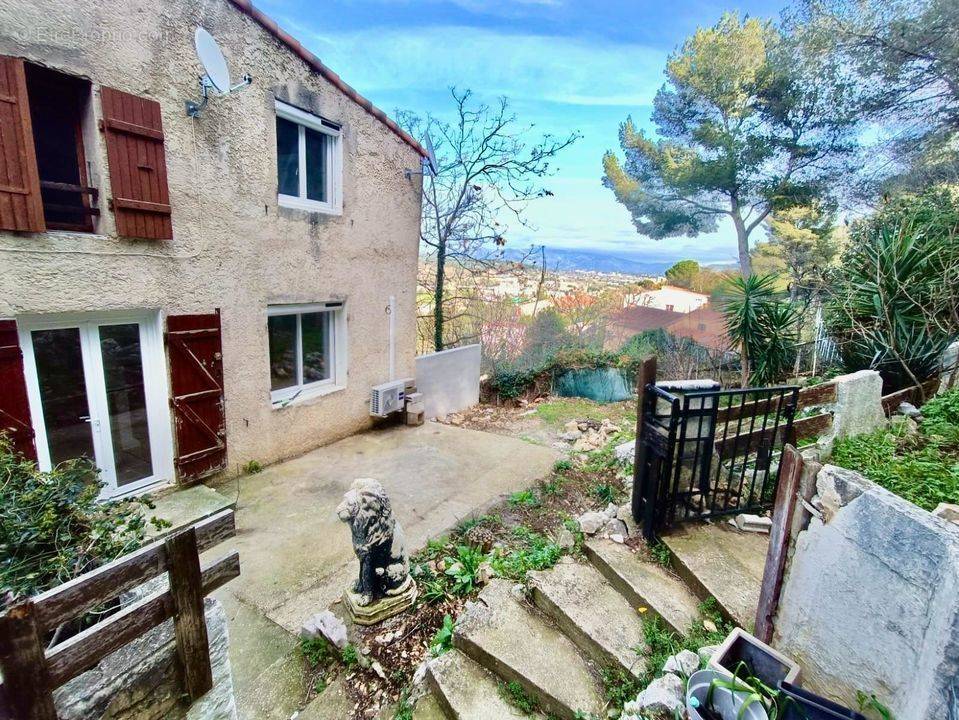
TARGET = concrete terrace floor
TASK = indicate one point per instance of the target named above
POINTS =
(295, 555)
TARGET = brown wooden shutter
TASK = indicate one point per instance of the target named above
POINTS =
(15, 419)
(196, 384)
(21, 207)
(138, 177)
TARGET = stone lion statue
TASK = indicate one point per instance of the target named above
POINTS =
(377, 541)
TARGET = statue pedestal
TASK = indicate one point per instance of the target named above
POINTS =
(385, 607)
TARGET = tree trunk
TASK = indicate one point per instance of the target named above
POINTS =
(742, 238)
(438, 296)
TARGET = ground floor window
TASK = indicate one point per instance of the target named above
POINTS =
(303, 342)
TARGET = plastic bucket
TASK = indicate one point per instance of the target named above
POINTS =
(726, 704)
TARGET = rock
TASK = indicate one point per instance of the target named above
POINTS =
(705, 653)
(625, 452)
(484, 573)
(456, 420)
(909, 410)
(710, 626)
(685, 663)
(625, 515)
(591, 522)
(754, 523)
(591, 440)
(617, 538)
(948, 512)
(664, 696)
(611, 510)
(614, 527)
(571, 435)
(565, 539)
(572, 426)
(326, 625)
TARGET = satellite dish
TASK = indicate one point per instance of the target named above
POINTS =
(212, 60)
(430, 159)
(217, 73)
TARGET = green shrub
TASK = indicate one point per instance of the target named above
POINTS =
(52, 528)
(925, 476)
(350, 657)
(253, 467)
(525, 498)
(940, 417)
(562, 466)
(463, 570)
(605, 492)
(443, 639)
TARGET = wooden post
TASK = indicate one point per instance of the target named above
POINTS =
(26, 678)
(186, 588)
(646, 376)
(779, 537)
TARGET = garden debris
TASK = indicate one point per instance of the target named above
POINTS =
(752, 523)
(664, 696)
(909, 410)
(326, 625)
(686, 662)
(593, 434)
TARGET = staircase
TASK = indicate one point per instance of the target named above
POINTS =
(580, 618)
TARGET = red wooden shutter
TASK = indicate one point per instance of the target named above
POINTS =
(21, 207)
(14, 405)
(196, 384)
(134, 135)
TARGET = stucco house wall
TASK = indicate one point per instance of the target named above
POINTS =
(233, 247)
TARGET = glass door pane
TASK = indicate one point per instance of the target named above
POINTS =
(63, 393)
(126, 402)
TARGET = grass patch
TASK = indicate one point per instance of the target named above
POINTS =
(513, 693)
(524, 497)
(660, 553)
(922, 468)
(533, 551)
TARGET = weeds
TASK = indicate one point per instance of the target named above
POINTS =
(524, 498)
(317, 651)
(252, 467)
(535, 552)
(513, 693)
(870, 703)
(606, 493)
(660, 554)
(463, 570)
(562, 466)
(443, 640)
(620, 687)
(350, 657)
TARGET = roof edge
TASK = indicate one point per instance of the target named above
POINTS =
(270, 25)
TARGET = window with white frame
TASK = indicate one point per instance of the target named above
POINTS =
(304, 342)
(309, 161)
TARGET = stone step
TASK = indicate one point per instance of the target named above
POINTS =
(506, 636)
(645, 584)
(716, 560)
(429, 708)
(465, 691)
(592, 614)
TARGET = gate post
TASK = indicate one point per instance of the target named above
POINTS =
(646, 376)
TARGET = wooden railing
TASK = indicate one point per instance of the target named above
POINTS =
(31, 672)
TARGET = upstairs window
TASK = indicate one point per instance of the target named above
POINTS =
(304, 341)
(58, 107)
(308, 161)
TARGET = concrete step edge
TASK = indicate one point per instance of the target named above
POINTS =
(626, 588)
(590, 647)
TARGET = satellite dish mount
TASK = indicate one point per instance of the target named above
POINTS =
(217, 77)
(428, 164)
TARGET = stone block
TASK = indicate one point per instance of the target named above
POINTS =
(871, 600)
(858, 406)
(948, 512)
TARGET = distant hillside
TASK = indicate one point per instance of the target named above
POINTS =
(596, 261)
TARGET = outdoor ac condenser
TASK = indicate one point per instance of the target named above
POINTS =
(387, 398)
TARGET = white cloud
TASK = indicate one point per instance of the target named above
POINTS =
(531, 67)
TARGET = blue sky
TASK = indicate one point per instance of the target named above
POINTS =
(565, 65)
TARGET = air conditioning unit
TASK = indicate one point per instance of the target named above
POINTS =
(387, 398)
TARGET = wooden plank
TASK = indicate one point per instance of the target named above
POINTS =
(813, 426)
(26, 675)
(186, 589)
(133, 129)
(646, 376)
(75, 597)
(790, 472)
(816, 395)
(85, 650)
(143, 205)
(821, 394)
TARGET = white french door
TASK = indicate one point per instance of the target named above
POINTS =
(97, 387)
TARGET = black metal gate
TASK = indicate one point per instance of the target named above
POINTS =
(708, 452)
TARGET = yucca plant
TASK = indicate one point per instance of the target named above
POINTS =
(763, 326)
(894, 299)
